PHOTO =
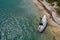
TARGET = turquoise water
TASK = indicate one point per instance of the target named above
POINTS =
(19, 20)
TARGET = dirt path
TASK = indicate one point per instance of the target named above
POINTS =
(53, 28)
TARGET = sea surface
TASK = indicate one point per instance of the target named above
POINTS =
(19, 20)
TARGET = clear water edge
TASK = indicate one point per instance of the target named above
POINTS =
(19, 20)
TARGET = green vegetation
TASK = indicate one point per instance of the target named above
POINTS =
(50, 1)
(58, 4)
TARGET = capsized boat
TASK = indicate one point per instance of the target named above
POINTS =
(42, 24)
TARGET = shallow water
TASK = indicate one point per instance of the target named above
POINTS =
(19, 20)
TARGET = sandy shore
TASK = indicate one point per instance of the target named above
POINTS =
(53, 27)
(45, 12)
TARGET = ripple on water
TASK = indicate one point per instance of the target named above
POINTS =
(20, 21)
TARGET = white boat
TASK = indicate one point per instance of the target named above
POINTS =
(42, 24)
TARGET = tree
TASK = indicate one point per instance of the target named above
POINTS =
(58, 2)
(50, 1)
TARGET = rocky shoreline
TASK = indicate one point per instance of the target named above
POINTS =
(47, 12)
(51, 11)
(54, 27)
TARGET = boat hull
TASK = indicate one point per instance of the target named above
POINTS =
(44, 21)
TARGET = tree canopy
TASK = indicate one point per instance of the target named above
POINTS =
(58, 2)
(51, 1)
